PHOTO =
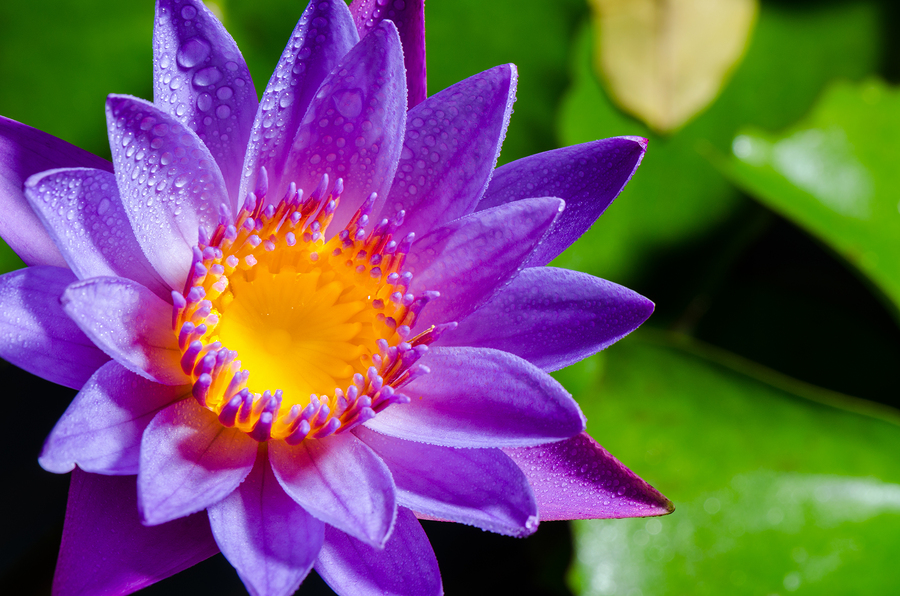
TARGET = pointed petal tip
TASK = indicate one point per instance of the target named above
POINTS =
(640, 141)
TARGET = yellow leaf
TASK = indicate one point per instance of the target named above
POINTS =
(666, 60)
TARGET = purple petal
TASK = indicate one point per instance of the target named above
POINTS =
(189, 461)
(340, 481)
(597, 485)
(553, 317)
(409, 17)
(323, 36)
(451, 147)
(25, 151)
(169, 183)
(478, 487)
(130, 323)
(83, 213)
(587, 177)
(106, 550)
(101, 430)
(470, 258)
(268, 538)
(405, 567)
(37, 335)
(354, 127)
(478, 397)
(201, 79)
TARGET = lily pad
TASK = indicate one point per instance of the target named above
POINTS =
(835, 174)
(779, 487)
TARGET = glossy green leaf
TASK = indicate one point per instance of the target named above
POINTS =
(836, 175)
(677, 194)
(778, 487)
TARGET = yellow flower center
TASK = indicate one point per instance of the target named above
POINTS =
(286, 335)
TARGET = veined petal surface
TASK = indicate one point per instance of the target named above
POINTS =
(106, 550)
(597, 484)
(479, 397)
(406, 566)
(553, 317)
(101, 430)
(130, 323)
(169, 182)
(354, 126)
(340, 481)
(201, 79)
(587, 177)
(25, 151)
(35, 332)
(324, 34)
(82, 211)
(478, 487)
(189, 461)
(268, 538)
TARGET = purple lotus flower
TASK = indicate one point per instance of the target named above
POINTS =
(318, 318)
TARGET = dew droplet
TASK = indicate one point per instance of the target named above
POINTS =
(224, 92)
(204, 102)
(207, 76)
(223, 111)
(188, 12)
(192, 52)
(349, 103)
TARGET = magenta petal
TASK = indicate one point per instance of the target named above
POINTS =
(354, 127)
(561, 317)
(106, 550)
(340, 481)
(169, 183)
(470, 258)
(268, 538)
(409, 17)
(37, 335)
(451, 147)
(405, 567)
(130, 323)
(323, 36)
(101, 430)
(478, 397)
(478, 487)
(597, 485)
(189, 461)
(201, 79)
(25, 151)
(82, 211)
(587, 177)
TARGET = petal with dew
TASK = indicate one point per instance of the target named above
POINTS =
(101, 430)
(106, 550)
(130, 323)
(405, 567)
(479, 397)
(409, 17)
(169, 183)
(452, 143)
(82, 211)
(189, 461)
(340, 481)
(587, 177)
(354, 126)
(597, 485)
(35, 332)
(553, 317)
(323, 36)
(25, 151)
(268, 538)
(201, 79)
(478, 487)
(469, 259)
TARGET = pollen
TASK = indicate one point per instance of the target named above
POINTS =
(287, 333)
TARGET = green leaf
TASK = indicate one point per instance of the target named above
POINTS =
(836, 175)
(778, 487)
(677, 194)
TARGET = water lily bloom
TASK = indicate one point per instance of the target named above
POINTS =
(297, 325)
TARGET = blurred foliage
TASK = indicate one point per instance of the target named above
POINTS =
(666, 61)
(779, 486)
